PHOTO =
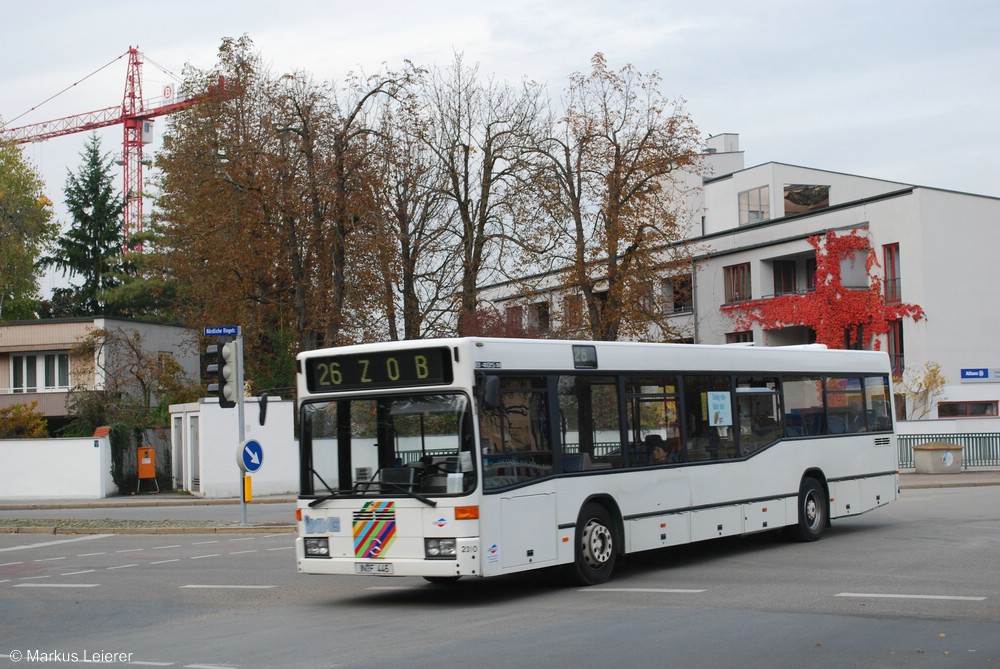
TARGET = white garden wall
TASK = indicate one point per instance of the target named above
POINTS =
(43, 469)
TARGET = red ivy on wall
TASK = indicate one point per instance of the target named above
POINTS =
(840, 316)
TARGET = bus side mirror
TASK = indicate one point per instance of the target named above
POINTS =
(490, 392)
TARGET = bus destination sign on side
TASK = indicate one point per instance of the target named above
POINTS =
(416, 367)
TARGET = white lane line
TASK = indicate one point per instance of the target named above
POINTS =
(130, 550)
(166, 561)
(124, 566)
(74, 573)
(283, 548)
(30, 578)
(50, 559)
(208, 666)
(92, 554)
(57, 542)
(242, 539)
(229, 587)
(202, 543)
(148, 663)
(57, 585)
(198, 557)
(242, 552)
(873, 595)
(10, 564)
(159, 548)
(674, 591)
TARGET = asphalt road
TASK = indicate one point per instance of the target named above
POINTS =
(911, 585)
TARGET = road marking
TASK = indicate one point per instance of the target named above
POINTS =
(200, 543)
(74, 573)
(88, 537)
(158, 548)
(166, 561)
(50, 559)
(57, 585)
(872, 595)
(148, 663)
(674, 591)
(283, 548)
(125, 566)
(230, 587)
(10, 564)
(198, 557)
(92, 554)
(242, 552)
(243, 539)
(208, 666)
(130, 550)
(29, 578)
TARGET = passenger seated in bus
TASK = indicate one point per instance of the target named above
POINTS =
(656, 450)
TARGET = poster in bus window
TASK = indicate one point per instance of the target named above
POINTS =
(720, 410)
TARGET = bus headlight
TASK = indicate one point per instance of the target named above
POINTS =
(439, 548)
(317, 547)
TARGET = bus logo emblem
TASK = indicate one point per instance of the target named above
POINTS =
(374, 529)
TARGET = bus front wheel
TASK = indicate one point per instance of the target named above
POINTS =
(595, 545)
(813, 511)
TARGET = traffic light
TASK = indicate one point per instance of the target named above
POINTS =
(222, 363)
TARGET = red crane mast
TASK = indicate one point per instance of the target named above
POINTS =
(133, 115)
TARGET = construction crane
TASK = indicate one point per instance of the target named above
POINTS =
(135, 117)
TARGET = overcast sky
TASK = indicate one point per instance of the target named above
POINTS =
(904, 90)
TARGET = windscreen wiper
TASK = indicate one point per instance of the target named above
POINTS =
(333, 493)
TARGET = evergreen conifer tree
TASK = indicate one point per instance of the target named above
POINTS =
(92, 247)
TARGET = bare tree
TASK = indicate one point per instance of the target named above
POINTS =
(482, 135)
(612, 187)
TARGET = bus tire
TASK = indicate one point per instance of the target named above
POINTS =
(813, 511)
(596, 546)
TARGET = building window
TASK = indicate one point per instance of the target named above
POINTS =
(784, 277)
(755, 205)
(810, 274)
(745, 337)
(801, 199)
(27, 369)
(678, 294)
(893, 288)
(895, 336)
(967, 409)
(646, 299)
(737, 279)
(540, 317)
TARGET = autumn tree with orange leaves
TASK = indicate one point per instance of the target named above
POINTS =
(842, 317)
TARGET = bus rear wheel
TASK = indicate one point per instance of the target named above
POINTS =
(595, 546)
(813, 511)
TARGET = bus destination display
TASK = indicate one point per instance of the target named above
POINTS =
(419, 367)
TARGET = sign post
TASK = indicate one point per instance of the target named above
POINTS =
(237, 331)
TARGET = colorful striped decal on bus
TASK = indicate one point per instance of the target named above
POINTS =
(374, 529)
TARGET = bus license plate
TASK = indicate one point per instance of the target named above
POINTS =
(381, 568)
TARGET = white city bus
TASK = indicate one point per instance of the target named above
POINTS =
(479, 457)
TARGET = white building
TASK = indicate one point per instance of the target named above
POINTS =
(754, 225)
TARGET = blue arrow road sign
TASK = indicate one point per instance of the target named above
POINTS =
(251, 456)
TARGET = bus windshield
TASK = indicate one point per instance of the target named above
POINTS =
(396, 445)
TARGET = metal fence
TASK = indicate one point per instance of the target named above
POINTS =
(980, 449)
